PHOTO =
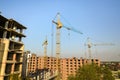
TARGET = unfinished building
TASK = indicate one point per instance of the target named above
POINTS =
(68, 66)
(11, 47)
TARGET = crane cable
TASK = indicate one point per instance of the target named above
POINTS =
(67, 23)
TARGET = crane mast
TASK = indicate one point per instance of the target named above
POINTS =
(45, 53)
(58, 51)
(58, 47)
(89, 44)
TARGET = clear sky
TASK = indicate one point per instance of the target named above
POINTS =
(97, 19)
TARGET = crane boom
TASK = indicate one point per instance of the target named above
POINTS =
(104, 44)
(68, 28)
(90, 44)
(45, 43)
(72, 29)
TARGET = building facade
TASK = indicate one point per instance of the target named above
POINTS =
(11, 47)
(32, 64)
(68, 66)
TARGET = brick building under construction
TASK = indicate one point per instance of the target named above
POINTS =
(68, 66)
(11, 47)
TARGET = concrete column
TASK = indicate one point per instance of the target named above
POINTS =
(3, 64)
(20, 39)
(12, 69)
(5, 32)
(14, 57)
(13, 65)
(21, 30)
(1, 57)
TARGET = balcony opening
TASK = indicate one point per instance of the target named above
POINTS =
(6, 78)
(14, 46)
(1, 33)
(18, 57)
(17, 66)
(10, 56)
(8, 68)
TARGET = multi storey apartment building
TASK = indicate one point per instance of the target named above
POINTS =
(68, 66)
(32, 64)
(11, 47)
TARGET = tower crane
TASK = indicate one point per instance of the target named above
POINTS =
(90, 44)
(59, 25)
(45, 43)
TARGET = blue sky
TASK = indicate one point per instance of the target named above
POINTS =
(97, 19)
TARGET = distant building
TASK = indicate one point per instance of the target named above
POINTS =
(11, 47)
(114, 66)
(26, 56)
(68, 66)
(32, 64)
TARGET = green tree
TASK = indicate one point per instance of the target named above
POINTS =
(92, 72)
(26, 78)
(17, 77)
(107, 74)
(119, 74)
(14, 77)
(71, 77)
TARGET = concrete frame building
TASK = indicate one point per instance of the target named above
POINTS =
(68, 66)
(11, 47)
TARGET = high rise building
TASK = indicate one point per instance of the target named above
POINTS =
(68, 66)
(11, 47)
